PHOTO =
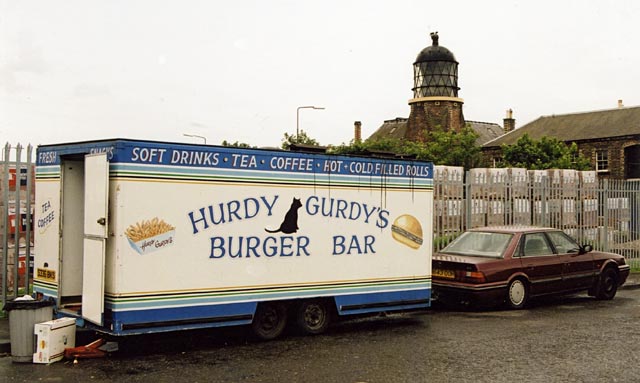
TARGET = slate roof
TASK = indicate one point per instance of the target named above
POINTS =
(487, 130)
(624, 121)
(397, 128)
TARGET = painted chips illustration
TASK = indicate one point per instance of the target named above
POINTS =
(147, 229)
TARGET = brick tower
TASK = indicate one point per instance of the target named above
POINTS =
(435, 99)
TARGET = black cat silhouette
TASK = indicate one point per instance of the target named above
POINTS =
(290, 223)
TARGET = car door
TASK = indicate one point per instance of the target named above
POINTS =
(578, 271)
(541, 264)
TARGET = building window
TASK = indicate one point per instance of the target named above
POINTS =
(602, 160)
(497, 161)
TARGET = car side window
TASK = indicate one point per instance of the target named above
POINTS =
(535, 245)
(563, 243)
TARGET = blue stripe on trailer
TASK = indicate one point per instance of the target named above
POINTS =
(184, 317)
(390, 301)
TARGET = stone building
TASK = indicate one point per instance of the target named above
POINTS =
(610, 138)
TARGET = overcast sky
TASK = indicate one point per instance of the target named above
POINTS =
(237, 70)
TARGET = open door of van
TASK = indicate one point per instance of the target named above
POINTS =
(96, 197)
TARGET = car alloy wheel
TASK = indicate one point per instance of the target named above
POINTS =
(517, 294)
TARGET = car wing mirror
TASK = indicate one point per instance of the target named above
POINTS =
(586, 249)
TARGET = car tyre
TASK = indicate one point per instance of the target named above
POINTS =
(313, 316)
(607, 284)
(517, 293)
(269, 320)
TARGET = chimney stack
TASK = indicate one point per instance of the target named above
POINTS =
(509, 122)
(620, 105)
(357, 131)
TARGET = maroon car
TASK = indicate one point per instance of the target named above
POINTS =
(512, 264)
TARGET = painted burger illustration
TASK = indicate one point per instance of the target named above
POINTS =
(407, 230)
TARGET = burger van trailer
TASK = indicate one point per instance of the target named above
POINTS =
(139, 236)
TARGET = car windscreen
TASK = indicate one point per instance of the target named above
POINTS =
(479, 244)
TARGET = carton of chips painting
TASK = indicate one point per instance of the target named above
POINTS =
(150, 235)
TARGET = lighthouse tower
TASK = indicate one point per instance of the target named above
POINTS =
(435, 101)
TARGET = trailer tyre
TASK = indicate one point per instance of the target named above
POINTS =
(313, 316)
(269, 320)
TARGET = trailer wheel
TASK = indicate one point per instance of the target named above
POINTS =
(269, 320)
(313, 316)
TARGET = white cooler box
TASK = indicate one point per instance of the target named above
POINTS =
(53, 337)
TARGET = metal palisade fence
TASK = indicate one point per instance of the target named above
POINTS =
(600, 212)
(16, 207)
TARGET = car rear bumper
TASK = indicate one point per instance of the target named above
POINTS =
(469, 295)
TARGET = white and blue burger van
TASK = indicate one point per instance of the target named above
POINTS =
(138, 236)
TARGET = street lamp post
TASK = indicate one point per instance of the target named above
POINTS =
(196, 136)
(298, 119)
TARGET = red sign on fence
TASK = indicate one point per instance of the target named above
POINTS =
(12, 177)
(23, 223)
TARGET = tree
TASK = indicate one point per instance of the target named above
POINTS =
(438, 146)
(303, 138)
(454, 148)
(548, 153)
(236, 144)
(391, 145)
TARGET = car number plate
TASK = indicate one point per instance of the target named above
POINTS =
(443, 273)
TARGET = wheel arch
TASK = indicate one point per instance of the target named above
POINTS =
(609, 263)
(520, 275)
(329, 301)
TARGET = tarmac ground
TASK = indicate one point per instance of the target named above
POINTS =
(84, 337)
